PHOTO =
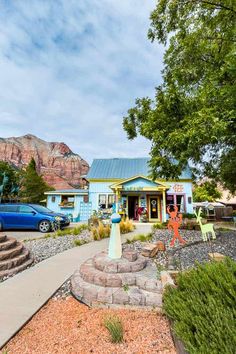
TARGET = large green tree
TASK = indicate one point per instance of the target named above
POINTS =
(9, 180)
(192, 118)
(206, 191)
(33, 185)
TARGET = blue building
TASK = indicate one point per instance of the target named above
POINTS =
(122, 184)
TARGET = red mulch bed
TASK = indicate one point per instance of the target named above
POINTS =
(68, 327)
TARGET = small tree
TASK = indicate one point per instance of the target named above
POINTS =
(11, 176)
(206, 191)
(33, 185)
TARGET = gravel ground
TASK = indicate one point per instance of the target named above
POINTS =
(69, 327)
(183, 257)
(48, 247)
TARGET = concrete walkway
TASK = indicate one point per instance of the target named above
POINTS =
(24, 294)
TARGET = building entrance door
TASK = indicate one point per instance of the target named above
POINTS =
(154, 207)
(132, 207)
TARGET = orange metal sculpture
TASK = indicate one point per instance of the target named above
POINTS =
(174, 223)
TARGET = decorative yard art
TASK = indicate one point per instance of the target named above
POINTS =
(174, 223)
(115, 249)
(205, 229)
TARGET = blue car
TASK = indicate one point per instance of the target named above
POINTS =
(30, 217)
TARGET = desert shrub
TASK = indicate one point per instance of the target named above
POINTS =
(158, 226)
(189, 216)
(115, 328)
(79, 242)
(203, 308)
(101, 231)
(126, 225)
(78, 229)
(140, 237)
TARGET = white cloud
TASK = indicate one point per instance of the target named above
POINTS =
(71, 69)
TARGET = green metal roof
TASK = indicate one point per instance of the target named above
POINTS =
(121, 168)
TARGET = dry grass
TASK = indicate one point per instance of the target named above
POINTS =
(126, 225)
(101, 231)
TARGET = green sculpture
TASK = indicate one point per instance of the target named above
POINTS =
(206, 228)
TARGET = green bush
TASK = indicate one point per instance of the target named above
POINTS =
(140, 237)
(203, 308)
(158, 226)
(115, 328)
(189, 216)
(79, 242)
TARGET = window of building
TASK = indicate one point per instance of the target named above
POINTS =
(85, 198)
(180, 202)
(53, 198)
(178, 199)
(170, 199)
(102, 201)
(111, 200)
(67, 201)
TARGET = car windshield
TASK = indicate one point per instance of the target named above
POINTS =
(41, 209)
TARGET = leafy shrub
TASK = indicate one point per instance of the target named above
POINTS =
(78, 229)
(203, 308)
(101, 231)
(115, 328)
(158, 226)
(126, 225)
(79, 242)
(140, 237)
(189, 216)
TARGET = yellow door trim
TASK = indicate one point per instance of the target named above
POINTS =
(158, 206)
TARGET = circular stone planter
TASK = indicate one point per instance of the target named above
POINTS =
(125, 282)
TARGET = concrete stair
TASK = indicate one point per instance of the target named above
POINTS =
(14, 257)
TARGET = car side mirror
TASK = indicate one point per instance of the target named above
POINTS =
(33, 212)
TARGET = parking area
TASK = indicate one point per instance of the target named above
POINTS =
(21, 235)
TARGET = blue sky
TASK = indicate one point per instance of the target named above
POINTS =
(70, 69)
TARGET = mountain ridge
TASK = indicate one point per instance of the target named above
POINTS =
(59, 165)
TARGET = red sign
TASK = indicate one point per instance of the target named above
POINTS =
(178, 188)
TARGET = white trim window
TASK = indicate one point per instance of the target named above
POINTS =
(106, 201)
(102, 201)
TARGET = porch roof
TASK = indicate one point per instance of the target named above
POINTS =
(144, 184)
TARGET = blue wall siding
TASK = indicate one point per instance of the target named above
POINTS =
(187, 191)
(54, 206)
(96, 188)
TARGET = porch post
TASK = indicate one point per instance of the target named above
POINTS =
(117, 198)
(164, 204)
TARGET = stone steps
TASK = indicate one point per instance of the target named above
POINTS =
(3, 238)
(14, 257)
(14, 262)
(12, 271)
(143, 280)
(101, 281)
(10, 242)
(97, 296)
(12, 252)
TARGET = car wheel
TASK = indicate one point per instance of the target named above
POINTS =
(44, 226)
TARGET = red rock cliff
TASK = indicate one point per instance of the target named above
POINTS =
(60, 167)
